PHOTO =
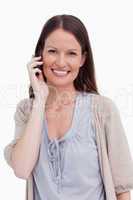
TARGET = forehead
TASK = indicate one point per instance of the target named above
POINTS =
(60, 38)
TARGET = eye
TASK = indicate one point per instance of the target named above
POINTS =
(51, 51)
(73, 53)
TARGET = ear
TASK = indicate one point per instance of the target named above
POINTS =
(83, 59)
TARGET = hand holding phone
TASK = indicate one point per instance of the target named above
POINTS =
(38, 67)
(35, 70)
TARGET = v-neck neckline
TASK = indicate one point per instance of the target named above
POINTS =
(67, 134)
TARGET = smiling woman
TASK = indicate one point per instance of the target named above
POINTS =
(68, 150)
(65, 46)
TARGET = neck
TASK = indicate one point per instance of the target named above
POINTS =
(58, 96)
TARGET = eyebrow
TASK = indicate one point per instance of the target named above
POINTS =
(56, 48)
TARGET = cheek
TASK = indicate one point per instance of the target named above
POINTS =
(75, 73)
(75, 67)
(75, 63)
(47, 60)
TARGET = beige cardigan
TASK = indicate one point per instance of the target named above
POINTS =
(113, 150)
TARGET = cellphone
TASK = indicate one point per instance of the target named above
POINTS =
(39, 67)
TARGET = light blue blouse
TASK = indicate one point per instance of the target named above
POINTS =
(68, 168)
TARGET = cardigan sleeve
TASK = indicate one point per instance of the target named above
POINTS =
(20, 117)
(119, 154)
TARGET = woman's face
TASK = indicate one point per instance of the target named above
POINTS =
(62, 59)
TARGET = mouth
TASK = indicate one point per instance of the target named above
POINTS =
(60, 73)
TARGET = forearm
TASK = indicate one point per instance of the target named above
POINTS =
(124, 196)
(25, 152)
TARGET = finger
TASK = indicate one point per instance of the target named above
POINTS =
(33, 71)
(36, 71)
(39, 74)
(34, 64)
(33, 61)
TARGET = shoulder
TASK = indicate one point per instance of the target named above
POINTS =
(25, 104)
(105, 100)
(104, 104)
(23, 109)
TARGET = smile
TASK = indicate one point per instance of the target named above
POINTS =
(60, 73)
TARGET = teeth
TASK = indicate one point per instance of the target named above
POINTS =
(60, 72)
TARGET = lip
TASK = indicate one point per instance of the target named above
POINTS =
(60, 76)
(60, 70)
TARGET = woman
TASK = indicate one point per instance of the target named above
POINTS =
(69, 139)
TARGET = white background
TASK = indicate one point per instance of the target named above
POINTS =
(109, 24)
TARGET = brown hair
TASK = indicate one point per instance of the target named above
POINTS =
(85, 81)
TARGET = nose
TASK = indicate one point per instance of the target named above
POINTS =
(60, 60)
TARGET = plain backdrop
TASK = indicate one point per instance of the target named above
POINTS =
(109, 25)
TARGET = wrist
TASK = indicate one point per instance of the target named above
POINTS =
(39, 103)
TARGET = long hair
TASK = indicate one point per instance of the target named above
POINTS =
(85, 80)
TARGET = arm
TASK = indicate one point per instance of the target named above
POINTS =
(120, 159)
(124, 196)
(23, 154)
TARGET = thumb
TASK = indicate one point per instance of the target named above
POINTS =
(40, 76)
